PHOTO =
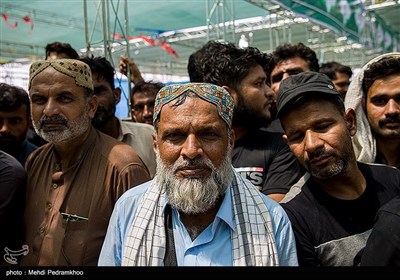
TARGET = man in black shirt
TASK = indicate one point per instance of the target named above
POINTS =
(332, 208)
(12, 204)
(260, 156)
(383, 244)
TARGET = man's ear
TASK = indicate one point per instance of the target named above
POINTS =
(232, 138)
(117, 94)
(351, 121)
(155, 147)
(233, 93)
(284, 138)
(93, 104)
(133, 116)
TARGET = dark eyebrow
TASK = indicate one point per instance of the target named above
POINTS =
(295, 70)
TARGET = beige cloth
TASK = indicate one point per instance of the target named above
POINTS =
(363, 141)
(88, 187)
(253, 242)
(139, 136)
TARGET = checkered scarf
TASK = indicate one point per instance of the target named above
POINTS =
(253, 242)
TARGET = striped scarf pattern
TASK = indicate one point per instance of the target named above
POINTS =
(253, 242)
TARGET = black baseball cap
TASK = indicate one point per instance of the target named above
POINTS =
(302, 84)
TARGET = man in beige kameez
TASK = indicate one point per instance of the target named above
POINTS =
(75, 179)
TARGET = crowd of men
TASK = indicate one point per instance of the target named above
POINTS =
(260, 160)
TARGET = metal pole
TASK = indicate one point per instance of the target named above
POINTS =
(105, 28)
(87, 43)
(129, 101)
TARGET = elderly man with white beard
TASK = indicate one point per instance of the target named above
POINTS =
(197, 211)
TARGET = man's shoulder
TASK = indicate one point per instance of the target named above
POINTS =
(133, 195)
(116, 150)
(380, 172)
(297, 189)
(261, 138)
(377, 167)
(131, 126)
(9, 164)
(392, 207)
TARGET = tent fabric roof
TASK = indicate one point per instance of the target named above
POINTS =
(27, 26)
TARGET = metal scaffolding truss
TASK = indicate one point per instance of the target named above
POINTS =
(110, 17)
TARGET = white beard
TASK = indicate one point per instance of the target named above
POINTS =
(72, 129)
(194, 195)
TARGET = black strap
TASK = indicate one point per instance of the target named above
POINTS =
(170, 255)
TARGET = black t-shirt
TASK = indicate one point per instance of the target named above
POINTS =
(331, 231)
(12, 205)
(383, 244)
(266, 160)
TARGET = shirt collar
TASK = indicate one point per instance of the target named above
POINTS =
(225, 212)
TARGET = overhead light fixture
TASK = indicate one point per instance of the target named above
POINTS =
(340, 39)
(381, 5)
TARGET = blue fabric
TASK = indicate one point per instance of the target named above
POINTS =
(212, 247)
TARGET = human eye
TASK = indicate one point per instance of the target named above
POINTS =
(64, 98)
(296, 71)
(173, 136)
(138, 107)
(295, 137)
(277, 78)
(38, 99)
(15, 121)
(151, 105)
(323, 127)
(379, 101)
(209, 134)
(260, 84)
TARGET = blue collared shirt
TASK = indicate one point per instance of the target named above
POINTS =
(212, 247)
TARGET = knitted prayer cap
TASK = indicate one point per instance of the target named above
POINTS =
(76, 69)
(211, 93)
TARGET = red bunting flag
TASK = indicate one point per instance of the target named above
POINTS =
(118, 36)
(147, 39)
(5, 17)
(151, 42)
(168, 49)
(28, 21)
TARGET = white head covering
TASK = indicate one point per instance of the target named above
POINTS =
(363, 141)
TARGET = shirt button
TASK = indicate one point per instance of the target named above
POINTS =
(55, 186)
(41, 230)
(49, 205)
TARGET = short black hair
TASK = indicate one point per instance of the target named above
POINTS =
(330, 68)
(286, 51)
(12, 98)
(149, 87)
(225, 64)
(102, 67)
(60, 47)
(380, 69)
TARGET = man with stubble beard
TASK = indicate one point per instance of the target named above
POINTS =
(258, 155)
(136, 135)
